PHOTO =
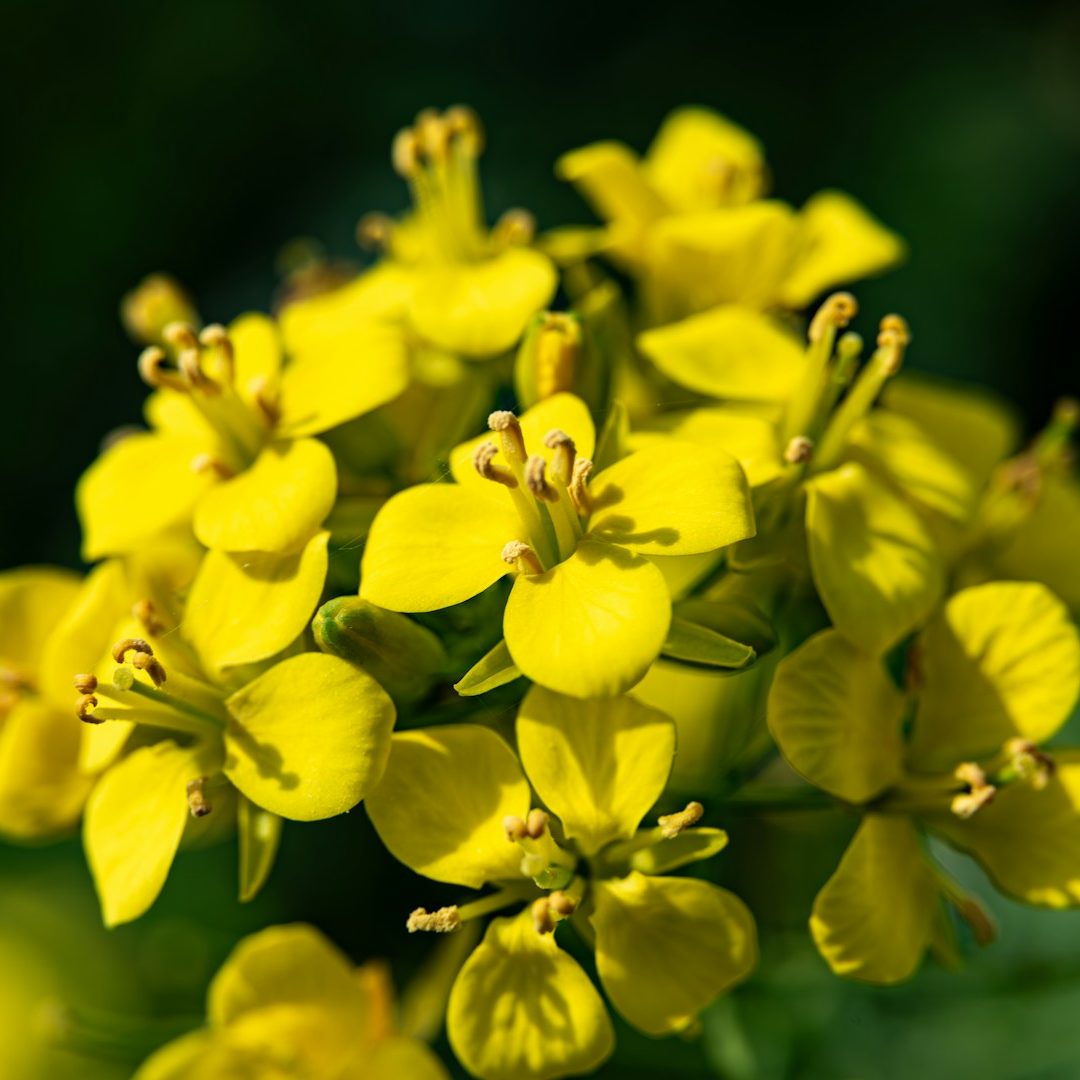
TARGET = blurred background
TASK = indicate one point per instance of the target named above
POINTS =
(201, 138)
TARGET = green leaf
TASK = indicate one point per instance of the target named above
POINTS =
(691, 643)
(495, 669)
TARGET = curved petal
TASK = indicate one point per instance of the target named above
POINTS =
(1000, 660)
(134, 821)
(32, 600)
(598, 765)
(667, 947)
(675, 499)
(308, 738)
(1028, 840)
(479, 309)
(837, 718)
(839, 242)
(873, 919)
(441, 802)
(521, 1009)
(435, 545)
(246, 606)
(399, 1057)
(609, 177)
(275, 505)
(190, 1055)
(256, 346)
(875, 565)
(591, 626)
(138, 488)
(728, 352)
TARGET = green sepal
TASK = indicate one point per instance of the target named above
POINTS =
(690, 846)
(496, 668)
(259, 834)
(691, 643)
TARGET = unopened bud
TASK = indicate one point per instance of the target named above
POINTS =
(154, 303)
(196, 797)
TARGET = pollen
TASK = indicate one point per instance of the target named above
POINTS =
(484, 464)
(1030, 762)
(673, 824)
(979, 794)
(579, 493)
(152, 666)
(196, 797)
(521, 557)
(799, 451)
(443, 921)
(120, 650)
(562, 460)
(542, 915)
(536, 823)
(146, 613)
(85, 684)
(536, 480)
(836, 312)
(84, 709)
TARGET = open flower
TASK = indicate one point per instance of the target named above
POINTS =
(589, 610)
(994, 675)
(455, 806)
(286, 1004)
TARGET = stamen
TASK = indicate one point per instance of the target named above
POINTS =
(506, 424)
(578, 492)
(405, 153)
(465, 128)
(85, 684)
(184, 339)
(673, 824)
(515, 828)
(536, 481)
(488, 469)
(536, 823)
(152, 666)
(893, 337)
(196, 797)
(84, 709)
(836, 312)
(204, 463)
(443, 921)
(541, 915)
(153, 372)
(374, 232)
(515, 228)
(799, 451)
(1030, 763)
(146, 613)
(563, 904)
(516, 552)
(120, 650)
(980, 791)
(562, 460)
(215, 336)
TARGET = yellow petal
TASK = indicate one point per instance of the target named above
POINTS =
(134, 821)
(435, 545)
(309, 738)
(190, 1055)
(667, 947)
(875, 566)
(700, 160)
(609, 177)
(1000, 660)
(728, 352)
(344, 377)
(597, 765)
(591, 626)
(478, 309)
(32, 600)
(873, 919)
(839, 243)
(256, 351)
(675, 499)
(275, 505)
(521, 1009)
(138, 488)
(564, 412)
(246, 606)
(441, 802)
(1028, 840)
(837, 718)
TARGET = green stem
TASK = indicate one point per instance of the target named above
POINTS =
(161, 697)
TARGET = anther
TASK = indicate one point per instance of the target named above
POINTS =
(84, 709)
(799, 451)
(152, 666)
(181, 336)
(215, 336)
(673, 824)
(153, 372)
(541, 915)
(895, 326)
(374, 232)
(509, 430)
(980, 791)
(146, 613)
(196, 797)
(124, 646)
(562, 904)
(536, 481)
(562, 460)
(579, 493)
(465, 128)
(405, 154)
(443, 921)
(1030, 762)
(836, 311)
(207, 463)
(85, 683)
(522, 557)
(515, 228)
(485, 465)
(536, 823)
(515, 828)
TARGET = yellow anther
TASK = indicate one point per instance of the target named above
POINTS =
(515, 828)
(443, 921)
(799, 451)
(579, 493)
(181, 336)
(562, 460)
(120, 650)
(215, 336)
(151, 665)
(506, 425)
(146, 613)
(405, 153)
(205, 463)
(84, 709)
(980, 791)
(893, 338)
(541, 915)
(673, 824)
(536, 480)
(484, 464)
(1030, 762)
(85, 683)
(522, 557)
(153, 372)
(374, 232)
(465, 128)
(196, 797)
(515, 228)
(896, 327)
(836, 312)
(562, 904)
(536, 823)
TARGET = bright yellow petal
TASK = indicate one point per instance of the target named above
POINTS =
(875, 566)
(1000, 660)
(591, 626)
(134, 821)
(597, 765)
(32, 600)
(667, 947)
(246, 606)
(256, 346)
(675, 499)
(700, 160)
(343, 378)
(479, 309)
(309, 738)
(173, 412)
(435, 545)
(839, 243)
(441, 802)
(521, 1009)
(728, 352)
(1028, 840)
(609, 177)
(276, 505)
(837, 718)
(873, 919)
(138, 488)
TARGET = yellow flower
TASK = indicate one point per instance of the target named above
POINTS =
(455, 806)
(689, 223)
(589, 610)
(993, 675)
(287, 1004)
(301, 735)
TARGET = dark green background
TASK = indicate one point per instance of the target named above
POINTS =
(201, 137)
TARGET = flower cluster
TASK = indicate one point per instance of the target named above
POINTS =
(552, 550)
